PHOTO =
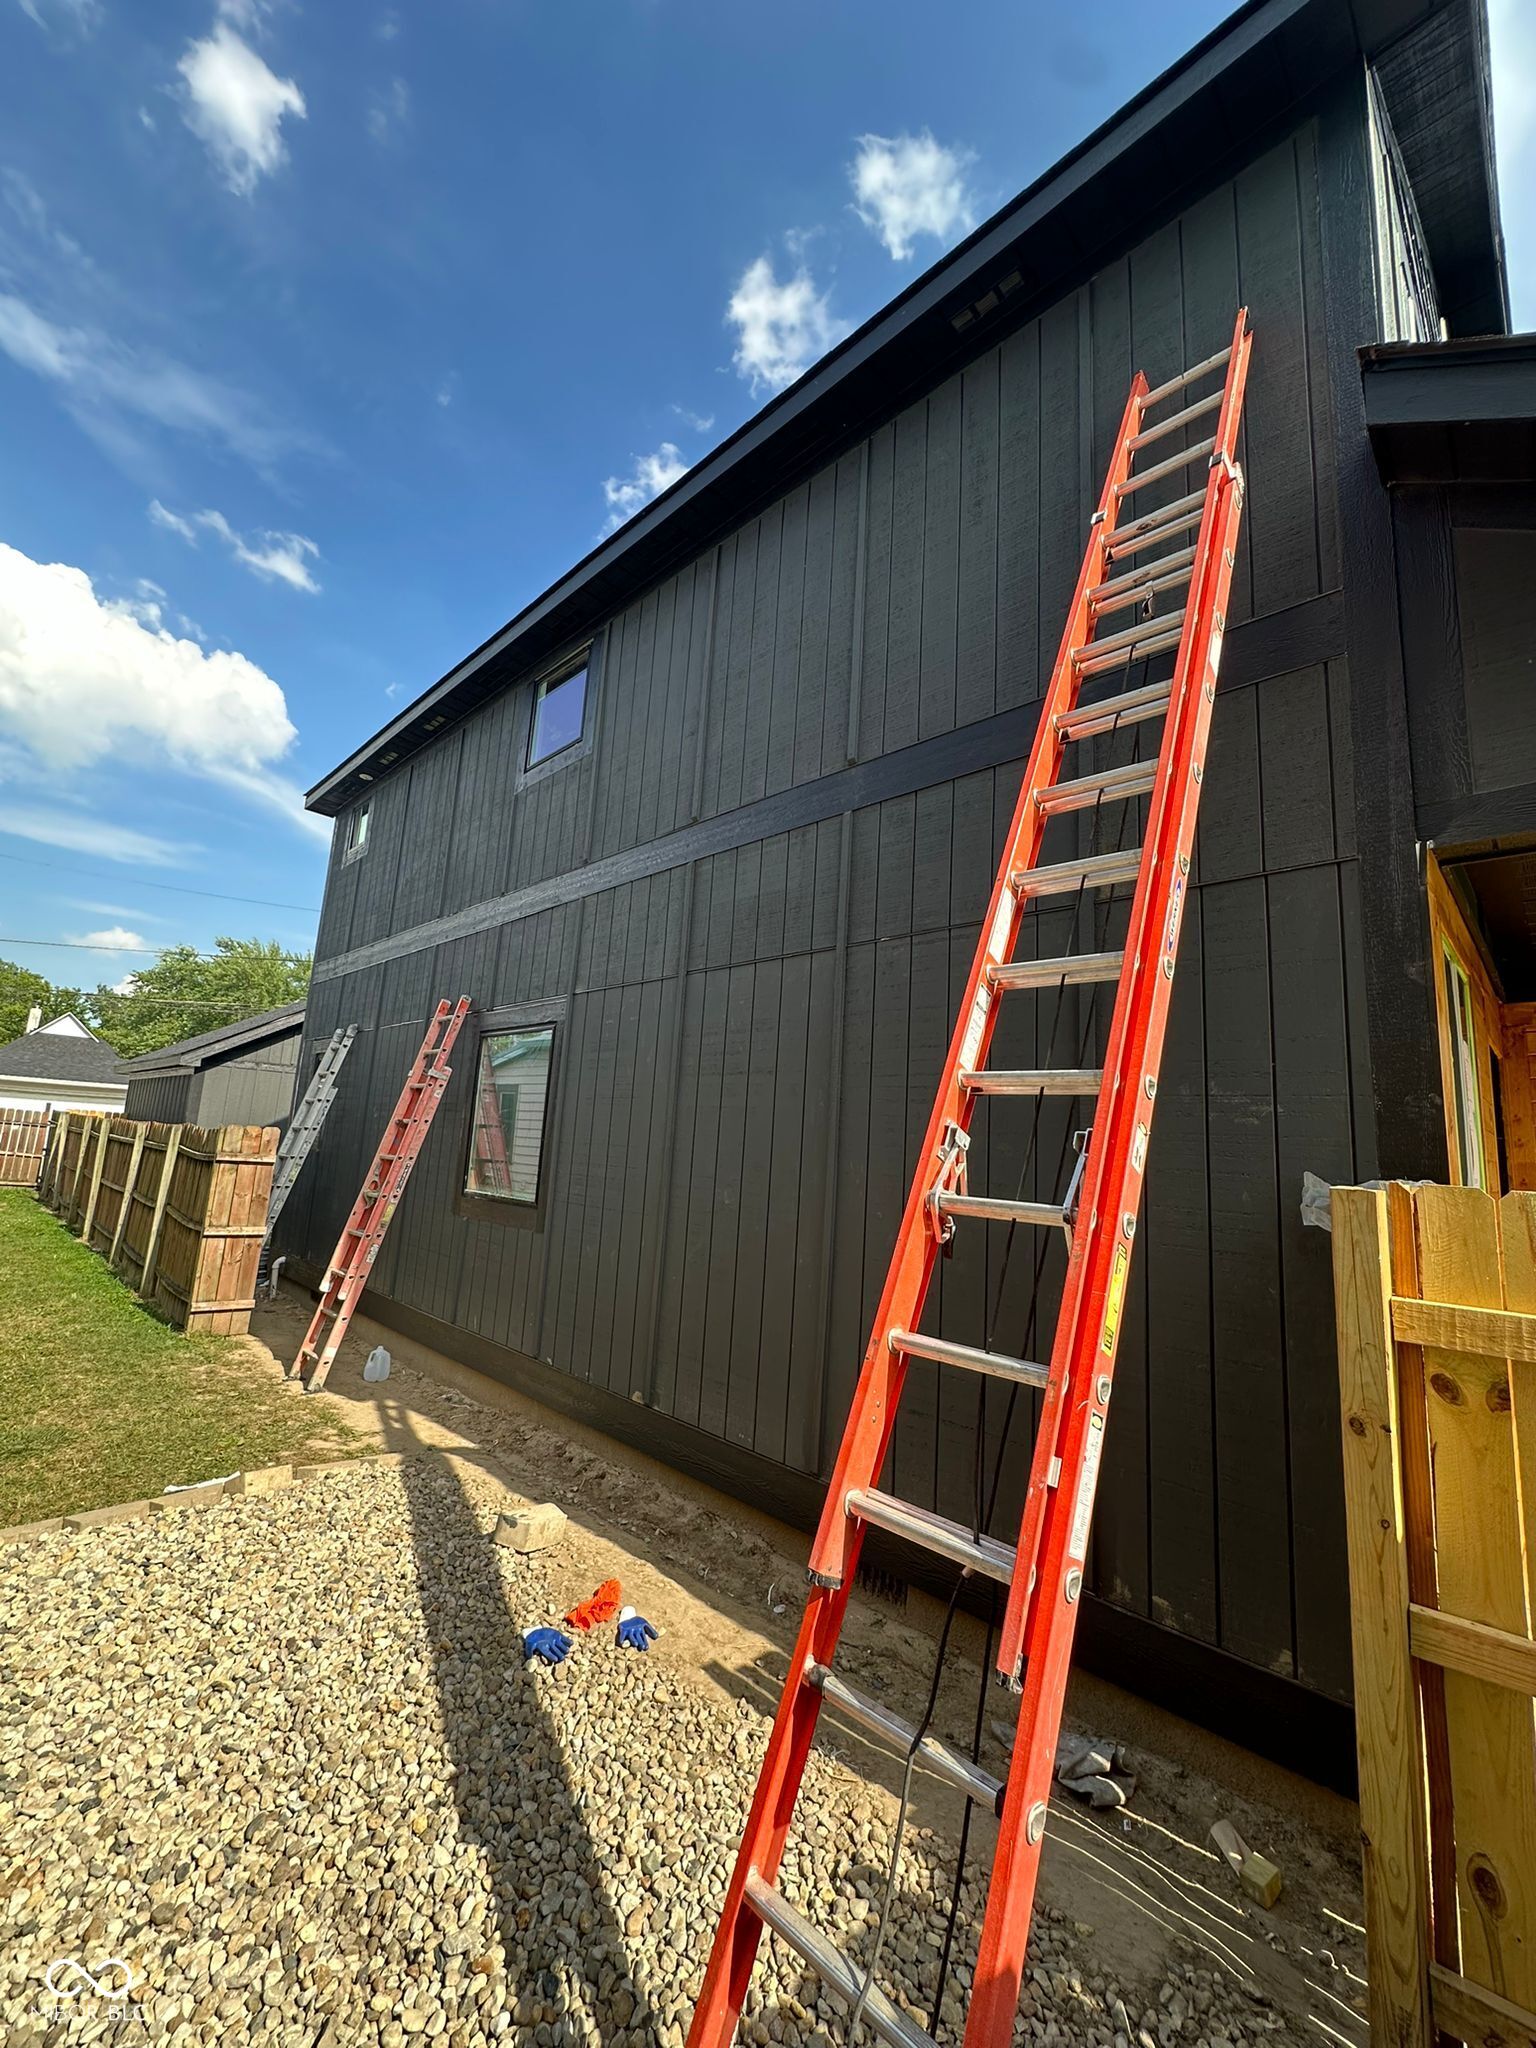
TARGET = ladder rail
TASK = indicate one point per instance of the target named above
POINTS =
(1055, 1529)
(1045, 1593)
(377, 1200)
(306, 1123)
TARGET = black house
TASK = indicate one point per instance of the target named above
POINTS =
(707, 829)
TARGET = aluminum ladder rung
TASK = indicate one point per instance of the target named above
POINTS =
(1031, 1080)
(1175, 420)
(1083, 721)
(939, 1351)
(1093, 871)
(1069, 967)
(1128, 636)
(999, 1209)
(1111, 786)
(1185, 378)
(831, 1965)
(1146, 581)
(1130, 540)
(929, 1531)
(1148, 642)
(1170, 466)
(951, 1764)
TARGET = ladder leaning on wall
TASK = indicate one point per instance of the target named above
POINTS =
(1131, 567)
(310, 1113)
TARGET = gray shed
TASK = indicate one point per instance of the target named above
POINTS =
(240, 1074)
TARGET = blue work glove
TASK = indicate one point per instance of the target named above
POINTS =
(635, 1632)
(547, 1644)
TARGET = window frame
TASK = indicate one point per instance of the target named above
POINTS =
(356, 847)
(572, 662)
(509, 1210)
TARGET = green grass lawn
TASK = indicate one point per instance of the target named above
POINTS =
(100, 1402)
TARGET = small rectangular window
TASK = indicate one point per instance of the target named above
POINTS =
(1468, 1096)
(357, 830)
(559, 709)
(506, 1144)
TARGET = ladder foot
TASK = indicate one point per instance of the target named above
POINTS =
(829, 1582)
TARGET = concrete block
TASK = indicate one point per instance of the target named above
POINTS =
(98, 1518)
(533, 1528)
(265, 1479)
(25, 1531)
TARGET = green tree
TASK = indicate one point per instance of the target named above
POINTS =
(20, 989)
(186, 993)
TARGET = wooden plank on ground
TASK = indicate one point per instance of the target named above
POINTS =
(1392, 1820)
(1479, 1549)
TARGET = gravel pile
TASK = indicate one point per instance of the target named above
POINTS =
(283, 1758)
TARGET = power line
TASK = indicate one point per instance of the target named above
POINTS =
(85, 946)
(26, 860)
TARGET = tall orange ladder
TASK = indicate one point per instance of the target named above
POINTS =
(379, 1197)
(1136, 563)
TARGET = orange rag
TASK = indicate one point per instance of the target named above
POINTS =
(602, 1606)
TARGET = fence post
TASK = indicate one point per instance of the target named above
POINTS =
(1392, 1824)
(152, 1247)
(103, 1132)
(128, 1187)
(72, 1209)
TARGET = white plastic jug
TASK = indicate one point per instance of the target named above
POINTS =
(377, 1365)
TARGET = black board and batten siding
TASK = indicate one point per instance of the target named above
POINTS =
(752, 905)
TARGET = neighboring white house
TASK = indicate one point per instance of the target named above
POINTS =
(62, 1064)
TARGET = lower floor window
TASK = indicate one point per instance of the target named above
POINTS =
(506, 1146)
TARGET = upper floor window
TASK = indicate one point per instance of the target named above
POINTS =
(559, 712)
(357, 830)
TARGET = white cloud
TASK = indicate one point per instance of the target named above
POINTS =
(390, 112)
(116, 910)
(650, 476)
(173, 522)
(113, 938)
(79, 833)
(72, 17)
(275, 557)
(909, 185)
(700, 422)
(236, 105)
(103, 378)
(84, 679)
(1512, 29)
(780, 328)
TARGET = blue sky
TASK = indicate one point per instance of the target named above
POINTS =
(330, 335)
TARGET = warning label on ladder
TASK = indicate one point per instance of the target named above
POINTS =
(1082, 1507)
(1111, 1328)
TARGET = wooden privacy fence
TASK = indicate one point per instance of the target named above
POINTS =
(178, 1210)
(1435, 1290)
(23, 1140)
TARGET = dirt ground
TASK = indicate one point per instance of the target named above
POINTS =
(725, 1586)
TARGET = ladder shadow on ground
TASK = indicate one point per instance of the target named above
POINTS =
(499, 1742)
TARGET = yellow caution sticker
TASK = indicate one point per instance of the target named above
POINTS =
(1112, 1307)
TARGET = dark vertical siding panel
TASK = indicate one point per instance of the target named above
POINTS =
(1295, 770)
(725, 1220)
(1059, 534)
(781, 685)
(1018, 520)
(1181, 1450)
(844, 639)
(1312, 1135)
(1253, 1483)
(977, 572)
(879, 572)
(747, 1394)
(814, 667)
(807, 1028)
(941, 563)
(905, 607)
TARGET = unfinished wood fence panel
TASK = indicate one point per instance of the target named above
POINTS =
(214, 1221)
(23, 1141)
(1435, 1291)
(178, 1210)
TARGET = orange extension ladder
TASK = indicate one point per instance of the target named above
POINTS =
(379, 1197)
(1137, 567)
